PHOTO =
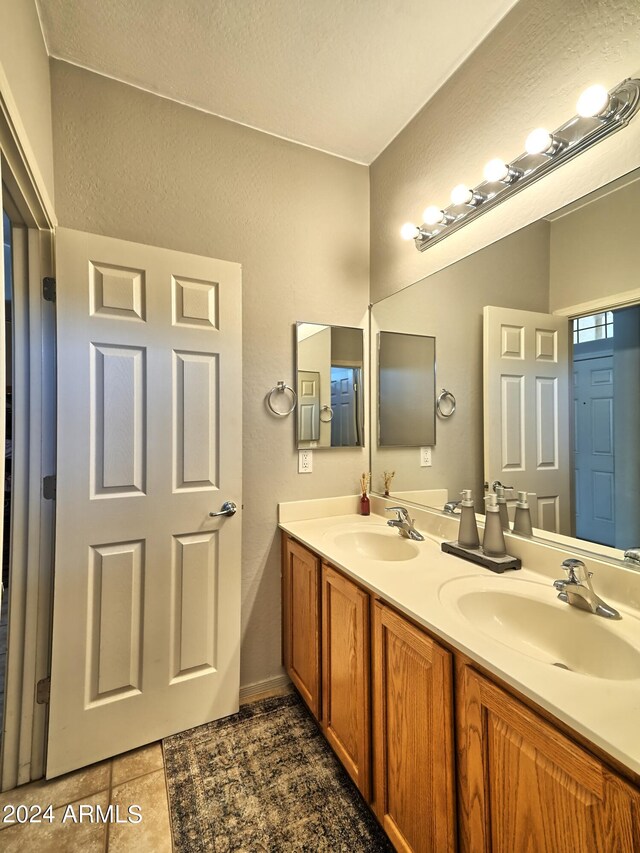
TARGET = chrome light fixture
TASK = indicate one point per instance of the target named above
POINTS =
(599, 114)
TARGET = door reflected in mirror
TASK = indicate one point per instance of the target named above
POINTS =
(330, 386)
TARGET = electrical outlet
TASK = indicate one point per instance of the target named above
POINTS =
(305, 461)
(425, 457)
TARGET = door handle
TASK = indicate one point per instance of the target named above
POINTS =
(228, 508)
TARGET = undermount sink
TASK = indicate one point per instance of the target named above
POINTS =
(382, 543)
(548, 631)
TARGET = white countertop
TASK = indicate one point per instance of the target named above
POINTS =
(605, 710)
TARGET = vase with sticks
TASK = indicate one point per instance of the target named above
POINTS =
(365, 504)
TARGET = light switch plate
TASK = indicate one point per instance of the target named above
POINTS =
(305, 461)
(425, 457)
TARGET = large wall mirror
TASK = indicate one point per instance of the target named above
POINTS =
(330, 386)
(539, 340)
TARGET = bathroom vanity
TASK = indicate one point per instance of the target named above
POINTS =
(460, 730)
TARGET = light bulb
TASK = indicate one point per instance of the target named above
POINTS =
(433, 215)
(496, 170)
(461, 194)
(539, 141)
(593, 101)
(409, 231)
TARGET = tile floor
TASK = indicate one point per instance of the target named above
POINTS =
(135, 778)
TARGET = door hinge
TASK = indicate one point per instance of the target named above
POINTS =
(43, 691)
(49, 289)
(49, 487)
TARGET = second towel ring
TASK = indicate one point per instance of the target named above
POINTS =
(444, 395)
(330, 418)
(280, 388)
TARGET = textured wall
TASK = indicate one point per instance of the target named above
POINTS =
(135, 166)
(25, 66)
(528, 72)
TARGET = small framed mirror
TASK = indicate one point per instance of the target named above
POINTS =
(330, 386)
(406, 390)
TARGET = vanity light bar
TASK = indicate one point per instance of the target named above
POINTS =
(599, 114)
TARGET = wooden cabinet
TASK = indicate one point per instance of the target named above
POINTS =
(413, 736)
(525, 786)
(383, 690)
(346, 716)
(301, 621)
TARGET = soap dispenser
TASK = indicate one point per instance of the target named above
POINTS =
(522, 522)
(502, 507)
(468, 531)
(493, 541)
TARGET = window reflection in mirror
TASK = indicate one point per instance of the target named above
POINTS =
(330, 386)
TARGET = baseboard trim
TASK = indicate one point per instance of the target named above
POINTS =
(270, 685)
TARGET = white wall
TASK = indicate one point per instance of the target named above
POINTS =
(135, 166)
(595, 251)
(25, 85)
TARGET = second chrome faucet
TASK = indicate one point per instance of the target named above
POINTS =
(578, 591)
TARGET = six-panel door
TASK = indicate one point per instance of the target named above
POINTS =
(146, 621)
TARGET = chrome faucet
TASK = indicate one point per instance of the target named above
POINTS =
(403, 523)
(632, 557)
(452, 506)
(578, 591)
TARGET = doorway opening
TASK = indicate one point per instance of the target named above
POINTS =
(8, 456)
(346, 417)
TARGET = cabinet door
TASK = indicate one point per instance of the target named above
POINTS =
(413, 736)
(345, 675)
(301, 621)
(524, 786)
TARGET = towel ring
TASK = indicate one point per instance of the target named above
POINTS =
(444, 395)
(330, 418)
(280, 388)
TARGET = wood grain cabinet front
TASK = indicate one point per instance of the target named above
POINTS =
(523, 785)
(301, 621)
(413, 736)
(383, 691)
(346, 715)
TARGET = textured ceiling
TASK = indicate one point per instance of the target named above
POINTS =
(343, 76)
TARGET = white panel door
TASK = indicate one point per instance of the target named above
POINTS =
(308, 405)
(526, 409)
(146, 621)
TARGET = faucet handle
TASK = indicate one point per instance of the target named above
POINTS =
(574, 569)
(501, 485)
(402, 512)
(632, 556)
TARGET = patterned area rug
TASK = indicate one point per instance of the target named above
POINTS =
(264, 780)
